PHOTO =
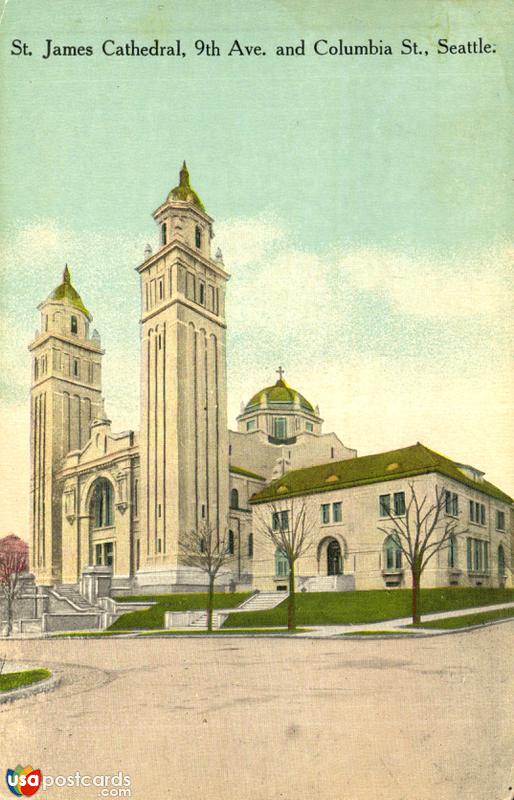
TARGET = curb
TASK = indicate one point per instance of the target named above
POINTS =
(34, 688)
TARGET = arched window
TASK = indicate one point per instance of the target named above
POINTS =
(164, 234)
(198, 236)
(501, 562)
(281, 564)
(393, 553)
(250, 545)
(36, 369)
(230, 543)
(452, 552)
(102, 504)
(74, 325)
(234, 498)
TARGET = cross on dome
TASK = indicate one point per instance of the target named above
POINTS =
(280, 371)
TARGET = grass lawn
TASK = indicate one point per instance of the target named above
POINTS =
(467, 620)
(191, 601)
(377, 605)
(15, 680)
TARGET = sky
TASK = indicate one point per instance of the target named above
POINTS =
(362, 204)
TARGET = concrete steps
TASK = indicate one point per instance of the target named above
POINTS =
(73, 597)
(261, 601)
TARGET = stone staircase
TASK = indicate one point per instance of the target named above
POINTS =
(199, 620)
(71, 594)
(261, 601)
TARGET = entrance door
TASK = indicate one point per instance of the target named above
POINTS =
(334, 559)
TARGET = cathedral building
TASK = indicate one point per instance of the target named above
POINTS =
(120, 503)
(123, 500)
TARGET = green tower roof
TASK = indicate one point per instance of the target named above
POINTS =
(65, 291)
(184, 192)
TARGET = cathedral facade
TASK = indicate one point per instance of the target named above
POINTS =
(120, 504)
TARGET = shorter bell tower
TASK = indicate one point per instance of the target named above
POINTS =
(66, 396)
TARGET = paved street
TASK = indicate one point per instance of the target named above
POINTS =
(272, 719)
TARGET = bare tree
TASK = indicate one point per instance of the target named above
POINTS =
(13, 563)
(204, 549)
(420, 534)
(289, 529)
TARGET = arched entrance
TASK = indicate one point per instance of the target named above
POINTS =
(334, 558)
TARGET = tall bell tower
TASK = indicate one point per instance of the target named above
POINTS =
(65, 399)
(184, 433)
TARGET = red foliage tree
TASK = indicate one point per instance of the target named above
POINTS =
(13, 563)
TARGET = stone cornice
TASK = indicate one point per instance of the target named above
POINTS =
(179, 245)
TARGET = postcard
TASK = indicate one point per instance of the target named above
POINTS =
(257, 529)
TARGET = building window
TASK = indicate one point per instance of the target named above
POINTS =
(501, 562)
(477, 513)
(203, 512)
(102, 504)
(164, 234)
(234, 498)
(250, 425)
(384, 504)
(399, 503)
(477, 555)
(159, 339)
(138, 553)
(325, 513)
(159, 510)
(250, 545)
(198, 236)
(230, 543)
(36, 369)
(393, 553)
(75, 368)
(104, 554)
(500, 520)
(332, 452)
(337, 511)
(161, 289)
(109, 554)
(309, 427)
(74, 325)
(280, 520)
(451, 504)
(452, 552)
(281, 564)
(202, 546)
(201, 299)
(136, 499)
(279, 427)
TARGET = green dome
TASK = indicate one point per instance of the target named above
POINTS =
(67, 292)
(184, 192)
(281, 394)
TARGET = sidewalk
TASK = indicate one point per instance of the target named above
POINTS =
(399, 624)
